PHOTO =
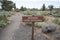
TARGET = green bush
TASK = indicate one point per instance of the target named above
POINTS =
(27, 12)
(39, 24)
(56, 21)
(36, 24)
(37, 13)
(41, 13)
(3, 20)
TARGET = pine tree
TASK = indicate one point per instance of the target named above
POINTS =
(43, 7)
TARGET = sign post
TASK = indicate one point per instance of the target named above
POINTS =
(32, 19)
(33, 31)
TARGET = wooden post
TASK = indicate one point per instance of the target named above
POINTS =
(32, 30)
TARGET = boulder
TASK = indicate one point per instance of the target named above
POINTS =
(49, 27)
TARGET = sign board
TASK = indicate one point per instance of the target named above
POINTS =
(32, 18)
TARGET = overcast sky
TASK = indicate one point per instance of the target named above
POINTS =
(36, 3)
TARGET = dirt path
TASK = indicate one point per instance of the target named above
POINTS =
(8, 32)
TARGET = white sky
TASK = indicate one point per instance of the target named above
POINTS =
(36, 3)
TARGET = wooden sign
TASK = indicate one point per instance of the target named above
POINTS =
(32, 18)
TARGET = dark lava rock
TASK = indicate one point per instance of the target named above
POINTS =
(50, 27)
